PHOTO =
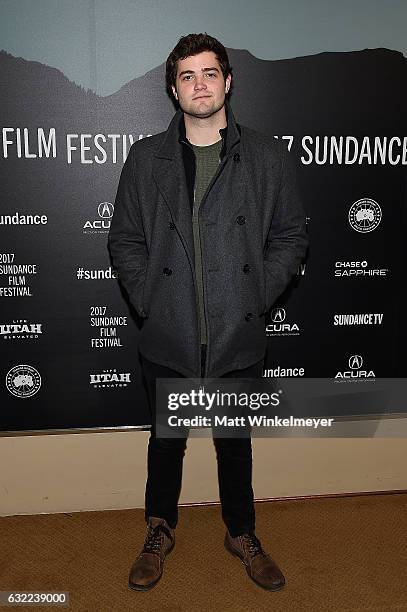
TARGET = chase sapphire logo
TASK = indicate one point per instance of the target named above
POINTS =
(365, 215)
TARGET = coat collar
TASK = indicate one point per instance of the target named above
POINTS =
(169, 173)
(175, 135)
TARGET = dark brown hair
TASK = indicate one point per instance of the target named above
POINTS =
(192, 44)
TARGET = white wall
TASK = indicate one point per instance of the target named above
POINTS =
(96, 471)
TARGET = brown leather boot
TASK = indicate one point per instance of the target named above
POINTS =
(260, 567)
(147, 569)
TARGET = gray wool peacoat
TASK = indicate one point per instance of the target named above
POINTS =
(253, 238)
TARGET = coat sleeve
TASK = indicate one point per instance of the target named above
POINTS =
(126, 240)
(287, 239)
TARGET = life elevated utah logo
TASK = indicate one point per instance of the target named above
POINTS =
(365, 215)
(278, 326)
(355, 364)
(109, 378)
(20, 329)
(101, 225)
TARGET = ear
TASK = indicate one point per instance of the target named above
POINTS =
(228, 83)
(174, 91)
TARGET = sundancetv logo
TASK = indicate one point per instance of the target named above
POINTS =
(367, 318)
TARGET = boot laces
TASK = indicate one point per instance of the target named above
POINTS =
(155, 539)
(252, 544)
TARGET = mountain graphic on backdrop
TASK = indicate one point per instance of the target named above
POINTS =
(275, 97)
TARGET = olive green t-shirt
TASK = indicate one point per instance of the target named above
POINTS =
(207, 162)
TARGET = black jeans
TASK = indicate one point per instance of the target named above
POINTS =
(165, 459)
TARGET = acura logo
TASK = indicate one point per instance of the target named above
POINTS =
(355, 362)
(278, 315)
(105, 210)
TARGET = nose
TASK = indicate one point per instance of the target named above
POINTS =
(199, 82)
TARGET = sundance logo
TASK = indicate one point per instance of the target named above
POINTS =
(355, 371)
(19, 219)
(280, 372)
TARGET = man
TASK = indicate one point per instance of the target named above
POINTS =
(207, 232)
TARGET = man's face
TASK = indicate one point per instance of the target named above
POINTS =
(200, 87)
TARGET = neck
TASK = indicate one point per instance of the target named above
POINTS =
(205, 131)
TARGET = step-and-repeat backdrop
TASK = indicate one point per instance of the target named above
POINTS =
(68, 337)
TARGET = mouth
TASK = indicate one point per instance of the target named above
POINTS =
(200, 97)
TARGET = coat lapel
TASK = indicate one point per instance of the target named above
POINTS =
(169, 174)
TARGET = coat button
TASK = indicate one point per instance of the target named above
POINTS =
(241, 220)
(167, 271)
(236, 158)
(249, 316)
(246, 268)
(171, 225)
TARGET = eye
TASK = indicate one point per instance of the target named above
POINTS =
(210, 74)
(187, 77)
